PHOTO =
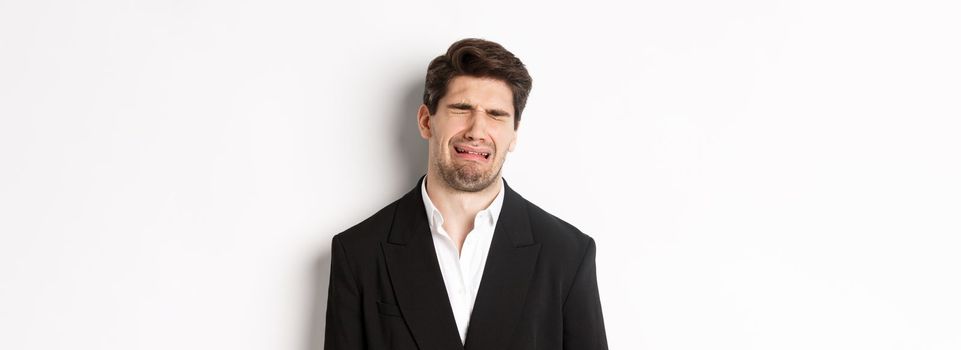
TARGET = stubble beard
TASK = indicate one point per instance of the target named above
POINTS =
(466, 177)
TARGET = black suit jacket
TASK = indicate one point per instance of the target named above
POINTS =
(538, 290)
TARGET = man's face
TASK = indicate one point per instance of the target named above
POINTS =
(471, 132)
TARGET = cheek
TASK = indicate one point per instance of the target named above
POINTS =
(508, 142)
(441, 143)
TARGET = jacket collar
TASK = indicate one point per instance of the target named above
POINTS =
(408, 221)
(419, 286)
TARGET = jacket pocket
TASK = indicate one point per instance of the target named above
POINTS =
(386, 309)
(394, 332)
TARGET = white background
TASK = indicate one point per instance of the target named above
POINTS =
(757, 174)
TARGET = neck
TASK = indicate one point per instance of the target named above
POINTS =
(454, 204)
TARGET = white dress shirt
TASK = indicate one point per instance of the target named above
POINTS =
(462, 272)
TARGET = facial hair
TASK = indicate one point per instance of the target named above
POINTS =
(466, 176)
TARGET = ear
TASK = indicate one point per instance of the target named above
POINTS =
(513, 144)
(423, 121)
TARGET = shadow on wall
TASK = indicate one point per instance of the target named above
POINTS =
(412, 148)
(411, 152)
(321, 275)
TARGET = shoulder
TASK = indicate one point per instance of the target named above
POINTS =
(371, 230)
(557, 235)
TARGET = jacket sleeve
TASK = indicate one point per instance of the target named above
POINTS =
(583, 320)
(344, 326)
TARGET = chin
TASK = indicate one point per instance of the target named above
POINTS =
(466, 175)
(468, 180)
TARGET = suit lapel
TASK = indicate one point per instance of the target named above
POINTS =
(416, 277)
(507, 275)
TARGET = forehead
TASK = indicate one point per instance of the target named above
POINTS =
(486, 92)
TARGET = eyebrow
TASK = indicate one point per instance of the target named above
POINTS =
(468, 107)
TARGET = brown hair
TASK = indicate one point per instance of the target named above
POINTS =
(477, 58)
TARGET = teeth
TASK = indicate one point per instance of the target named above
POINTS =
(484, 154)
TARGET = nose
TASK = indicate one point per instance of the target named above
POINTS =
(477, 126)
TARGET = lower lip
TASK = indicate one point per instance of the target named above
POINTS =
(470, 156)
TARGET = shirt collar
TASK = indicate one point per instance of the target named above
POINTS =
(436, 219)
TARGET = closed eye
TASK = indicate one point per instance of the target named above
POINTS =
(498, 114)
(460, 108)
(464, 108)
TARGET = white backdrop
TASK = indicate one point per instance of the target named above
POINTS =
(757, 174)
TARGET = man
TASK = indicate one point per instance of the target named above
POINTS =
(462, 261)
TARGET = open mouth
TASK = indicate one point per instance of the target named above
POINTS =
(459, 150)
